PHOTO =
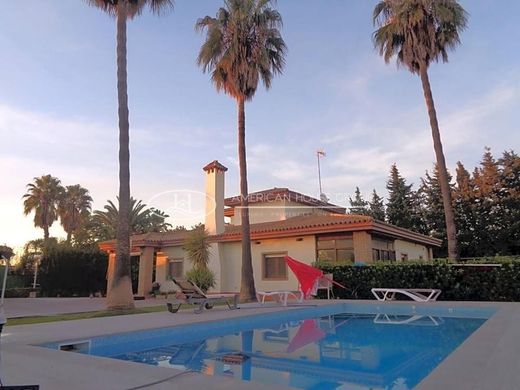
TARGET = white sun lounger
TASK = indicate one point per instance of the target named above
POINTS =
(280, 296)
(407, 320)
(417, 294)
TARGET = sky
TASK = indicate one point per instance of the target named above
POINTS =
(58, 104)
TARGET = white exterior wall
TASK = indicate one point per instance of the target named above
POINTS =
(276, 211)
(261, 212)
(231, 267)
(173, 252)
(414, 251)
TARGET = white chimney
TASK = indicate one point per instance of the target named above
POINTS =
(214, 220)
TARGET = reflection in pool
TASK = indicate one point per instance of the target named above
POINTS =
(361, 351)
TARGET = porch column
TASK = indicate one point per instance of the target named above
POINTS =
(161, 267)
(362, 246)
(145, 271)
(111, 268)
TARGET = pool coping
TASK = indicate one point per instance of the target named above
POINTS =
(487, 359)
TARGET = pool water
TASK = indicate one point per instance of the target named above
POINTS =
(334, 351)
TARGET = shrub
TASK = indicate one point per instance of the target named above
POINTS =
(67, 271)
(204, 278)
(197, 247)
(456, 283)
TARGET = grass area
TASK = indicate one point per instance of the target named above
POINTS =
(85, 315)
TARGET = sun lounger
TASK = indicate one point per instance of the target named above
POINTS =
(280, 296)
(195, 296)
(417, 294)
(407, 320)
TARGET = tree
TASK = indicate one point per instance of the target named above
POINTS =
(197, 247)
(104, 223)
(358, 205)
(376, 207)
(243, 46)
(119, 290)
(509, 236)
(42, 197)
(418, 32)
(433, 209)
(399, 208)
(73, 208)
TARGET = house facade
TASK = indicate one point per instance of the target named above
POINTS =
(283, 222)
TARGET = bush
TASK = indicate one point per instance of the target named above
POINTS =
(456, 283)
(202, 277)
(67, 271)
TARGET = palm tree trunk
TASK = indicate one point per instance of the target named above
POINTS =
(453, 251)
(45, 234)
(119, 295)
(247, 285)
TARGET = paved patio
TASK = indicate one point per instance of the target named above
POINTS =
(486, 360)
(24, 307)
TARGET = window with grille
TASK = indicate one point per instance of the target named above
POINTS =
(335, 249)
(383, 249)
(274, 266)
(176, 268)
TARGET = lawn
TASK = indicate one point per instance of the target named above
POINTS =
(84, 315)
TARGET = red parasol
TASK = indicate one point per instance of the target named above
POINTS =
(308, 333)
(307, 275)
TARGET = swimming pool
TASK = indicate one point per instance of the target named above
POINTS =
(337, 346)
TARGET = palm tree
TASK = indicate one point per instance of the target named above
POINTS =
(141, 219)
(74, 207)
(418, 32)
(243, 45)
(119, 290)
(42, 197)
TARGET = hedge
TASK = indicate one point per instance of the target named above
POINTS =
(457, 283)
(72, 272)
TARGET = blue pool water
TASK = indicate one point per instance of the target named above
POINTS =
(340, 346)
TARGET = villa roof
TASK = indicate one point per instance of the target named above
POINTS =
(284, 194)
(291, 227)
(316, 224)
(172, 238)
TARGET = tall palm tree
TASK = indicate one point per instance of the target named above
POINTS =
(418, 32)
(119, 290)
(74, 207)
(243, 46)
(42, 197)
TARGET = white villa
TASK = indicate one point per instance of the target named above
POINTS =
(283, 222)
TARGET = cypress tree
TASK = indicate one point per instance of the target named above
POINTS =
(509, 236)
(376, 207)
(433, 209)
(464, 198)
(400, 207)
(358, 205)
(488, 221)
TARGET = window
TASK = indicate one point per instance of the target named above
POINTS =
(404, 256)
(335, 249)
(274, 266)
(383, 249)
(176, 268)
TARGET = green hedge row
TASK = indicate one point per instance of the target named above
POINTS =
(457, 283)
(72, 272)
